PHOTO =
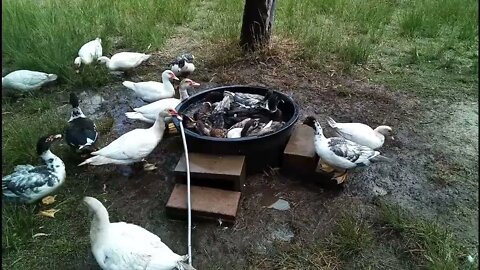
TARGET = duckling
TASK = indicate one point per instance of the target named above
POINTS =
(81, 133)
(256, 128)
(203, 112)
(213, 97)
(235, 131)
(266, 110)
(245, 100)
(28, 183)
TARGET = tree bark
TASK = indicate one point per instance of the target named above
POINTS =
(257, 24)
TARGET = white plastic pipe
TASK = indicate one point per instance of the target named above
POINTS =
(189, 202)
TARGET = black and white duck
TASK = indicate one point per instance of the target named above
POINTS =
(183, 65)
(29, 183)
(340, 153)
(81, 133)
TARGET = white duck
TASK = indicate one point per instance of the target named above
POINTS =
(27, 80)
(152, 91)
(89, 52)
(183, 65)
(361, 133)
(120, 245)
(124, 61)
(28, 183)
(149, 112)
(340, 153)
(134, 145)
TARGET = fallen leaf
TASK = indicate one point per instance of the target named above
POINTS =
(49, 212)
(49, 200)
(40, 234)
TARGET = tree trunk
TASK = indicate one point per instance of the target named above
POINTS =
(257, 24)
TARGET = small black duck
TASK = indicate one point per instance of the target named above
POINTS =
(81, 133)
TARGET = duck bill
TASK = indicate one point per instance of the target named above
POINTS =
(175, 78)
(195, 83)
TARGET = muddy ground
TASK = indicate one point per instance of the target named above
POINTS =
(434, 174)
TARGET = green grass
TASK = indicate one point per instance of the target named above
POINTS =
(25, 123)
(430, 244)
(296, 256)
(426, 47)
(351, 236)
(46, 35)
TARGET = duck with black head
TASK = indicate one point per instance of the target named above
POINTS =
(28, 183)
(81, 133)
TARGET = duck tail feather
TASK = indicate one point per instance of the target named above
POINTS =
(52, 77)
(380, 158)
(128, 84)
(185, 266)
(331, 122)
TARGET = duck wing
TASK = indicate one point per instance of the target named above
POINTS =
(27, 181)
(81, 132)
(132, 145)
(351, 151)
(132, 247)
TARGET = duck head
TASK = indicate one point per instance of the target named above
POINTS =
(77, 62)
(385, 131)
(103, 60)
(310, 121)
(44, 143)
(186, 83)
(168, 74)
(213, 97)
(183, 88)
(74, 100)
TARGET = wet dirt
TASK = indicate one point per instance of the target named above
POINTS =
(425, 134)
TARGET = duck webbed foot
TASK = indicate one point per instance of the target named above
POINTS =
(148, 166)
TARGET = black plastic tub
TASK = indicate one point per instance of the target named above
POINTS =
(259, 151)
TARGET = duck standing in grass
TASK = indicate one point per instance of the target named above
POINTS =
(339, 153)
(27, 80)
(183, 65)
(124, 61)
(133, 146)
(89, 53)
(81, 133)
(361, 133)
(28, 183)
(152, 91)
(120, 245)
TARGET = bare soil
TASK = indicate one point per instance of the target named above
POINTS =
(434, 173)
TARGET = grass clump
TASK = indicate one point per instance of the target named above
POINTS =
(46, 35)
(351, 236)
(296, 256)
(432, 246)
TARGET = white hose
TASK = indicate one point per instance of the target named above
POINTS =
(189, 202)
